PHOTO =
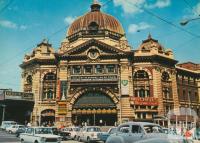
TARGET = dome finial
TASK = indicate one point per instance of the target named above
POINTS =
(149, 36)
(95, 6)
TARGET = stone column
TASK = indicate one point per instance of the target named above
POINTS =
(157, 88)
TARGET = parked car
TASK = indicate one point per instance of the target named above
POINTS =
(104, 135)
(140, 132)
(6, 124)
(64, 135)
(39, 135)
(89, 134)
(20, 130)
(13, 128)
(73, 131)
(172, 134)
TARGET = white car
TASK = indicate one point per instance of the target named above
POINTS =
(13, 128)
(39, 135)
(6, 124)
(73, 131)
(89, 134)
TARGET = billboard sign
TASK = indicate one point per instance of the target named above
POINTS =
(148, 101)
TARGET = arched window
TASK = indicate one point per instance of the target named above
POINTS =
(165, 76)
(28, 84)
(29, 79)
(93, 27)
(141, 74)
(141, 84)
(49, 86)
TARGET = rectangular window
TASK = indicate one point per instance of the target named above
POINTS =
(99, 69)
(144, 115)
(76, 69)
(189, 96)
(88, 69)
(184, 95)
(110, 68)
(139, 115)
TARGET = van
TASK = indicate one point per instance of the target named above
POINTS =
(6, 124)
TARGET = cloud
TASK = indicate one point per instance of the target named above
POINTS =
(159, 4)
(8, 24)
(12, 25)
(133, 28)
(22, 27)
(134, 6)
(196, 9)
(130, 6)
(69, 19)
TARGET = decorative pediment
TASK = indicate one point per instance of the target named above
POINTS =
(93, 48)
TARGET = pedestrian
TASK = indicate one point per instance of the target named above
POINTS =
(197, 132)
(188, 135)
(29, 124)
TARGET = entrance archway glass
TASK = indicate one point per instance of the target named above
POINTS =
(94, 108)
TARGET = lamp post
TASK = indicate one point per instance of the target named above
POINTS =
(3, 113)
(186, 21)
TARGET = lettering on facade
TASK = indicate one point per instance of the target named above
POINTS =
(18, 95)
(94, 78)
(148, 101)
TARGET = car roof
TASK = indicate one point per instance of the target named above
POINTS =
(91, 126)
(139, 123)
(8, 122)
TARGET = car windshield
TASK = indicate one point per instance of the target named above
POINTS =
(43, 131)
(113, 130)
(76, 129)
(68, 129)
(93, 130)
(153, 129)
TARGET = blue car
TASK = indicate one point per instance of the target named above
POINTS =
(104, 135)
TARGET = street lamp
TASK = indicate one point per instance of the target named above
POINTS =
(3, 114)
(186, 21)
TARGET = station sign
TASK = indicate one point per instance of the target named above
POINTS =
(17, 95)
(147, 101)
(94, 78)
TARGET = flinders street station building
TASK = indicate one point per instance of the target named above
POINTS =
(96, 78)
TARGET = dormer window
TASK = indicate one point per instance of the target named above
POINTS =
(93, 27)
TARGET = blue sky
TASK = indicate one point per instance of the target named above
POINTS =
(24, 23)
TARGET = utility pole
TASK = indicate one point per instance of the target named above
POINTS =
(3, 113)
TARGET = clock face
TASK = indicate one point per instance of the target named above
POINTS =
(93, 53)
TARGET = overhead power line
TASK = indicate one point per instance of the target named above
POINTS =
(165, 20)
(7, 5)
(188, 4)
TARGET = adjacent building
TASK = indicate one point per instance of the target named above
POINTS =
(96, 78)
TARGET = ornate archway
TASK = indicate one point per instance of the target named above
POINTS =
(94, 108)
(48, 117)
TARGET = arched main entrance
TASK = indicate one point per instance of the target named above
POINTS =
(48, 117)
(94, 108)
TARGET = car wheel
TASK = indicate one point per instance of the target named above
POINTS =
(88, 140)
(79, 139)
